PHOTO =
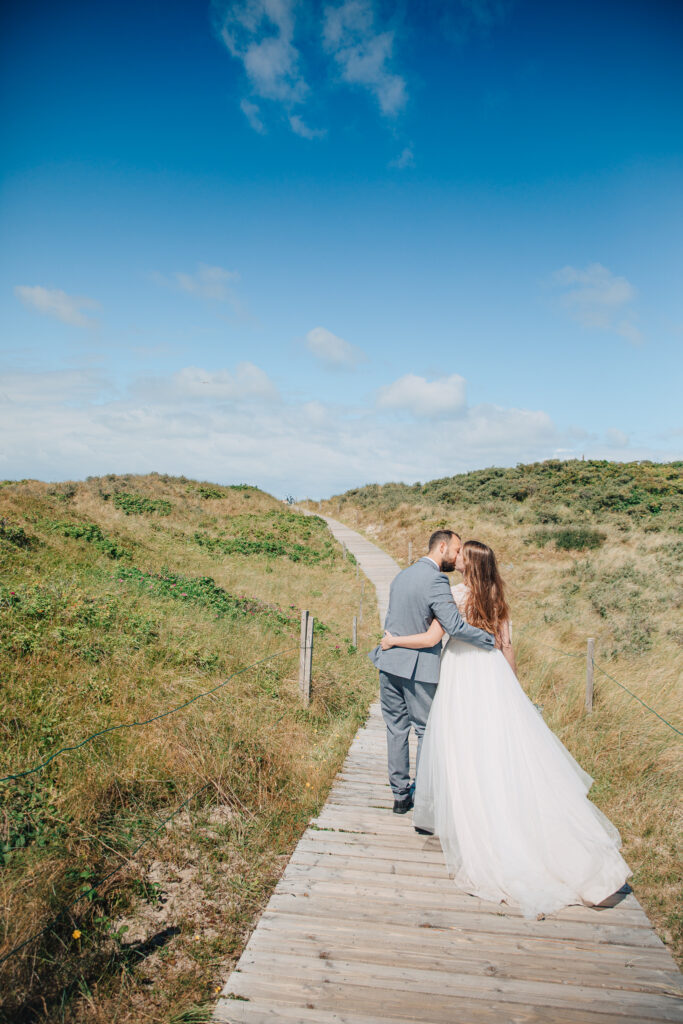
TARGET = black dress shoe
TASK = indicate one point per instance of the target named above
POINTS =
(423, 831)
(403, 805)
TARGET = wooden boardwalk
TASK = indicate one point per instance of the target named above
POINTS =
(365, 927)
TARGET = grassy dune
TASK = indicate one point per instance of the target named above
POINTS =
(123, 597)
(587, 549)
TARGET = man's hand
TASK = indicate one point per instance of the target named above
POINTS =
(387, 641)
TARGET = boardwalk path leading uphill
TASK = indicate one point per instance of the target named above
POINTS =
(365, 927)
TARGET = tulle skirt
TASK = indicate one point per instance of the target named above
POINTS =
(505, 797)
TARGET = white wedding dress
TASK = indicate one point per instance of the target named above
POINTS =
(505, 797)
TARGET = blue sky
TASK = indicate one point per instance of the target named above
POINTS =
(312, 245)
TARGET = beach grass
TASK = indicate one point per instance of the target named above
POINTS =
(123, 598)
(587, 549)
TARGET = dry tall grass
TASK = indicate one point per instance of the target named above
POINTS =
(107, 618)
(626, 594)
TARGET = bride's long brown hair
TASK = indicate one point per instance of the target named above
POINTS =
(486, 606)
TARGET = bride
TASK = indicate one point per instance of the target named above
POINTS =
(505, 797)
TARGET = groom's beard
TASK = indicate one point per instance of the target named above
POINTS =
(447, 566)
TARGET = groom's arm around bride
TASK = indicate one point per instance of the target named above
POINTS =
(420, 594)
(408, 677)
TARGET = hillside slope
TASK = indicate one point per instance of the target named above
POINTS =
(587, 549)
(123, 598)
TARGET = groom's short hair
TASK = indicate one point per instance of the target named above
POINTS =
(442, 535)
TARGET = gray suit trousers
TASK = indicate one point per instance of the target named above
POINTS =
(405, 703)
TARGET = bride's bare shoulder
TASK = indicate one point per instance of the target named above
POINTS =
(459, 592)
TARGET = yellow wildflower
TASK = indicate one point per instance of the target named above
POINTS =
(76, 934)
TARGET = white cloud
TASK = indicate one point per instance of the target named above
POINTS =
(299, 127)
(209, 283)
(56, 303)
(246, 383)
(260, 34)
(617, 438)
(69, 425)
(213, 284)
(333, 352)
(599, 299)
(274, 39)
(47, 387)
(405, 159)
(253, 115)
(362, 54)
(424, 398)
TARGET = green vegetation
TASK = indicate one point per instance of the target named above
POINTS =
(276, 534)
(587, 549)
(110, 619)
(564, 491)
(15, 535)
(570, 539)
(138, 504)
(91, 533)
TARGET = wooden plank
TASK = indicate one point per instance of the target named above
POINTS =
(423, 896)
(332, 870)
(237, 1011)
(435, 1007)
(482, 945)
(317, 906)
(429, 956)
(400, 1006)
(403, 978)
(366, 927)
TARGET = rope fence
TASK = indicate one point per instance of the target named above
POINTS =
(146, 721)
(636, 697)
(592, 664)
(305, 648)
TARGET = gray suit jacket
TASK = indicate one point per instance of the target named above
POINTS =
(418, 595)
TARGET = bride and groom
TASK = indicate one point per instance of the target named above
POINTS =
(506, 799)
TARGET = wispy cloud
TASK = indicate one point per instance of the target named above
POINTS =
(459, 20)
(299, 127)
(333, 352)
(213, 284)
(429, 399)
(599, 299)
(275, 40)
(260, 34)
(228, 425)
(405, 159)
(245, 383)
(617, 438)
(252, 113)
(76, 386)
(487, 13)
(56, 303)
(362, 54)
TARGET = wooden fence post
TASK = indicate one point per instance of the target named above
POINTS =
(343, 550)
(356, 570)
(590, 648)
(410, 552)
(355, 631)
(302, 652)
(309, 661)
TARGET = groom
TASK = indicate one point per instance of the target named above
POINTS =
(408, 678)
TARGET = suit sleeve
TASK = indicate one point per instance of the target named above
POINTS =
(446, 611)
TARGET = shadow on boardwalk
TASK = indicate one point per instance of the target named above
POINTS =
(365, 927)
